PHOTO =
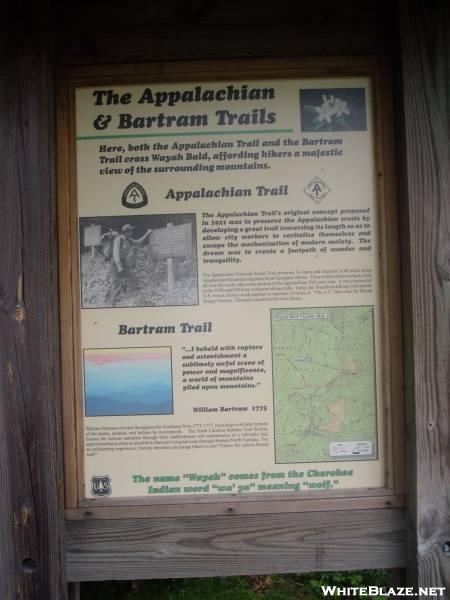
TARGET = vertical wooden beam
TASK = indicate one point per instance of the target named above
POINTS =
(31, 515)
(425, 51)
(74, 591)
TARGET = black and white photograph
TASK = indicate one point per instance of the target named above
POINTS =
(137, 261)
(333, 109)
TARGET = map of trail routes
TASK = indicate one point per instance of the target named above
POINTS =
(324, 384)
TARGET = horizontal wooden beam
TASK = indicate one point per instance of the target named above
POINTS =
(179, 30)
(137, 508)
(234, 545)
(233, 43)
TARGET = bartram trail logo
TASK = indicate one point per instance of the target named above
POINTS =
(101, 485)
(134, 196)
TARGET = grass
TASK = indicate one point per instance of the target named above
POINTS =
(265, 587)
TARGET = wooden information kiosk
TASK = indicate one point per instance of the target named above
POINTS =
(225, 295)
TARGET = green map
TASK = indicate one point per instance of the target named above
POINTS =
(324, 384)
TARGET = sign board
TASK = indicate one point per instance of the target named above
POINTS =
(92, 235)
(260, 368)
(172, 242)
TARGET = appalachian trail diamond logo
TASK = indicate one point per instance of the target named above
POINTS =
(101, 485)
(317, 189)
(134, 196)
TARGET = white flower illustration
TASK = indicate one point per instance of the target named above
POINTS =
(325, 111)
(331, 107)
(341, 107)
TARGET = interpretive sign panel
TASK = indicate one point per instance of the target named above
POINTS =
(236, 342)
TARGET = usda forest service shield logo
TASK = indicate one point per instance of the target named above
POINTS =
(134, 196)
(317, 189)
(101, 485)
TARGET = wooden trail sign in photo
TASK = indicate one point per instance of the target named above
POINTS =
(92, 235)
(171, 242)
(174, 241)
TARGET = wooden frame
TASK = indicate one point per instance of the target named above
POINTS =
(389, 496)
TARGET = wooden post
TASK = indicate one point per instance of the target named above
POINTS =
(74, 591)
(31, 515)
(425, 46)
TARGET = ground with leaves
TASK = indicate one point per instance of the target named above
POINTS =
(151, 275)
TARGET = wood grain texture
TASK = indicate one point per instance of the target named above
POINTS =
(31, 524)
(236, 506)
(425, 44)
(65, 181)
(183, 30)
(390, 292)
(234, 545)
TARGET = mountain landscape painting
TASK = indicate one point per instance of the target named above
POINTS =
(128, 381)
